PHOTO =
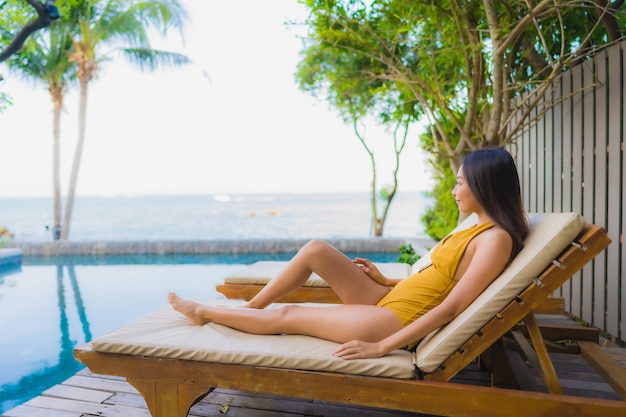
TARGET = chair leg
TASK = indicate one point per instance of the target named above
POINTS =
(540, 358)
(169, 399)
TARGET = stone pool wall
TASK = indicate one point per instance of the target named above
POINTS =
(230, 247)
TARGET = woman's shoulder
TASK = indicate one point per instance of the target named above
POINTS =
(494, 237)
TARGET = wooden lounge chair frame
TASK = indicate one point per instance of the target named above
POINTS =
(171, 386)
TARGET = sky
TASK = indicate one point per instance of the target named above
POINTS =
(232, 122)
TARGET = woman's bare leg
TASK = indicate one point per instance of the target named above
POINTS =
(352, 285)
(340, 323)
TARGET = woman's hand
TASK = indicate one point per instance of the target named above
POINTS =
(370, 269)
(357, 349)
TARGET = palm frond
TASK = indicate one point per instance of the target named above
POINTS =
(150, 59)
(164, 14)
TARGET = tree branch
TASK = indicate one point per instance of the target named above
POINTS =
(46, 14)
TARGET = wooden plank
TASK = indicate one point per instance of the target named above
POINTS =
(592, 240)
(551, 305)
(557, 165)
(526, 167)
(568, 117)
(614, 194)
(598, 266)
(127, 400)
(566, 177)
(591, 114)
(549, 152)
(621, 311)
(563, 332)
(557, 140)
(236, 400)
(27, 411)
(606, 366)
(541, 158)
(100, 384)
(577, 180)
(63, 405)
(533, 164)
(76, 393)
(577, 139)
(514, 146)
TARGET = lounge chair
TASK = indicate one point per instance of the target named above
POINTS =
(244, 284)
(247, 282)
(173, 364)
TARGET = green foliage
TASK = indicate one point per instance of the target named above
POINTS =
(349, 55)
(5, 101)
(385, 192)
(14, 14)
(443, 215)
(5, 236)
(460, 65)
(407, 254)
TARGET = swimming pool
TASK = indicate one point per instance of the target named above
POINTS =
(50, 305)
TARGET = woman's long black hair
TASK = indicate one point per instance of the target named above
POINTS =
(492, 176)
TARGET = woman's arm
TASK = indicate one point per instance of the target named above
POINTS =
(489, 252)
(370, 269)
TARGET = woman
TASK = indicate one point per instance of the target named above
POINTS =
(379, 316)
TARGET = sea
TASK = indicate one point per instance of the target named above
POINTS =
(216, 217)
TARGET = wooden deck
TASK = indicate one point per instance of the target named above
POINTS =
(86, 394)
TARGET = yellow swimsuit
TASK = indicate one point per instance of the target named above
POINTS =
(426, 289)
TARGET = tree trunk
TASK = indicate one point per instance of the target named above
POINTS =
(71, 191)
(378, 231)
(57, 99)
(398, 148)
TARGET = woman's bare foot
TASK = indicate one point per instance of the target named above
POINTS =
(188, 308)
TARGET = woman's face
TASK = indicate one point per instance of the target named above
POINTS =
(463, 195)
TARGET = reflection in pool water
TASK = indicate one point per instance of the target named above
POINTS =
(48, 306)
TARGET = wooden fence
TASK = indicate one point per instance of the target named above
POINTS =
(572, 159)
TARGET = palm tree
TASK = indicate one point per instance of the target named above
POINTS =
(46, 61)
(124, 26)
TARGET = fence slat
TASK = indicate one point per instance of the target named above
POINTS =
(568, 117)
(549, 154)
(615, 179)
(532, 163)
(577, 183)
(592, 111)
(600, 184)
(557, 146)
(621, 303)
(541, 159)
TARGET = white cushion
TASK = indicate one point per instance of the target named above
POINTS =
(166, 333)
(550, 234)
(263, 271)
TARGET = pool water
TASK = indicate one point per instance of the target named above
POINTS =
(48, 306)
